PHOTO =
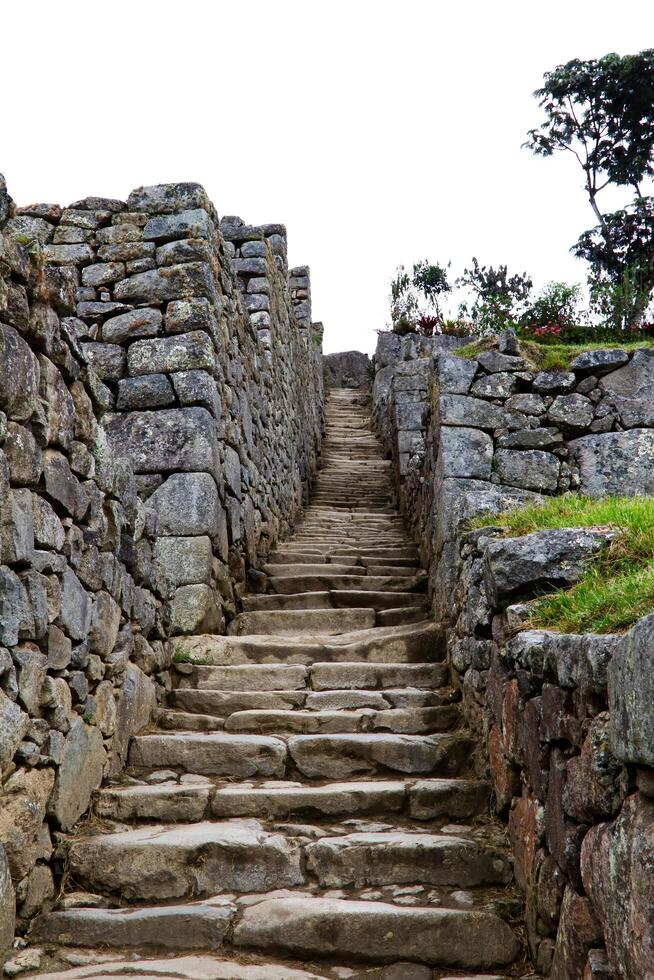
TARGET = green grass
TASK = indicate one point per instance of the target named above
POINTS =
(182, 655)
(617, 587)
(550, 357)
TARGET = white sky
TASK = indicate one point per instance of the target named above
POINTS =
(378, 131)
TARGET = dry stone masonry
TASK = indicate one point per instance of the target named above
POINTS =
(160, 423)
(564, 721)
(268, 708)
(305, 794)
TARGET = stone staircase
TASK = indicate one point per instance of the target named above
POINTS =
(307, 802)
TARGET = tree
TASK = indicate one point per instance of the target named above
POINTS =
(431, 281)
(601, 111)
(426, 280)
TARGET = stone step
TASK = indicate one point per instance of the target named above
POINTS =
(376, 931)
(173, 927)
(221, 704)
(186, 721)
(345, 756)
(313, 568)
(412, 643)
(334, 599)
(241, 756)
(321, 581)
(165, 802)
(285, 621)
(404, 551)
(117, 966)
(193, 797)
(398, 858)
(408, 721)
(156, 863)
(282, 678)
(401, 616)
(424, 799)
(369, 676)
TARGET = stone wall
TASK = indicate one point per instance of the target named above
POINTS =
(160, 423)
(566, 721)
(347, 369)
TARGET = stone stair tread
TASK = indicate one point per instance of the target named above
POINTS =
(410, 642)
(230, 754)
(401, 720)
(221, 704)
(193, 967)
(176, 927)
(343, 756)
(324, 622)
(422, 798)
(335, 599)
(405, 857)
(186, 860)
(318, 676)
(377, 931)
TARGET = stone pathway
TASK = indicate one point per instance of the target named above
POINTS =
(306, 804)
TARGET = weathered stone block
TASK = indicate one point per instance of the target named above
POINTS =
(132, 325)
(499, 385)
(58, 405)
(185, 504)
(615, 462)
(135, 707)
(599, 361)
(531, 469)
(465, 452)
(616, 863)
(632, 389)
(578, 931)
(19, 376)
(79, 774)
(544, 558)
(571, 411)
(195, 223)
(180, 352)
(173, 439)
(193, 609)
(13, 727)
(466, 411)
(16, 526)
(631, 695)
(167, 198)
(7, 897)
(182, 561)
(22, 812)
(172, 282)
(76, 606)
(148, 391)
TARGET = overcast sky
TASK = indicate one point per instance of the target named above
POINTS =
(379, 132)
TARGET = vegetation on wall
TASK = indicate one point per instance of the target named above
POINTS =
(617, 588)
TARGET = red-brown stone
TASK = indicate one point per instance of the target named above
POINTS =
(525, 832)
(618, 873)
(578, 931)
(504, 777)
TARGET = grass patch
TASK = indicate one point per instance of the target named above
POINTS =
(553, 357)
(617, 587)
(549, 357)
(472, 350)
(182, 655)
